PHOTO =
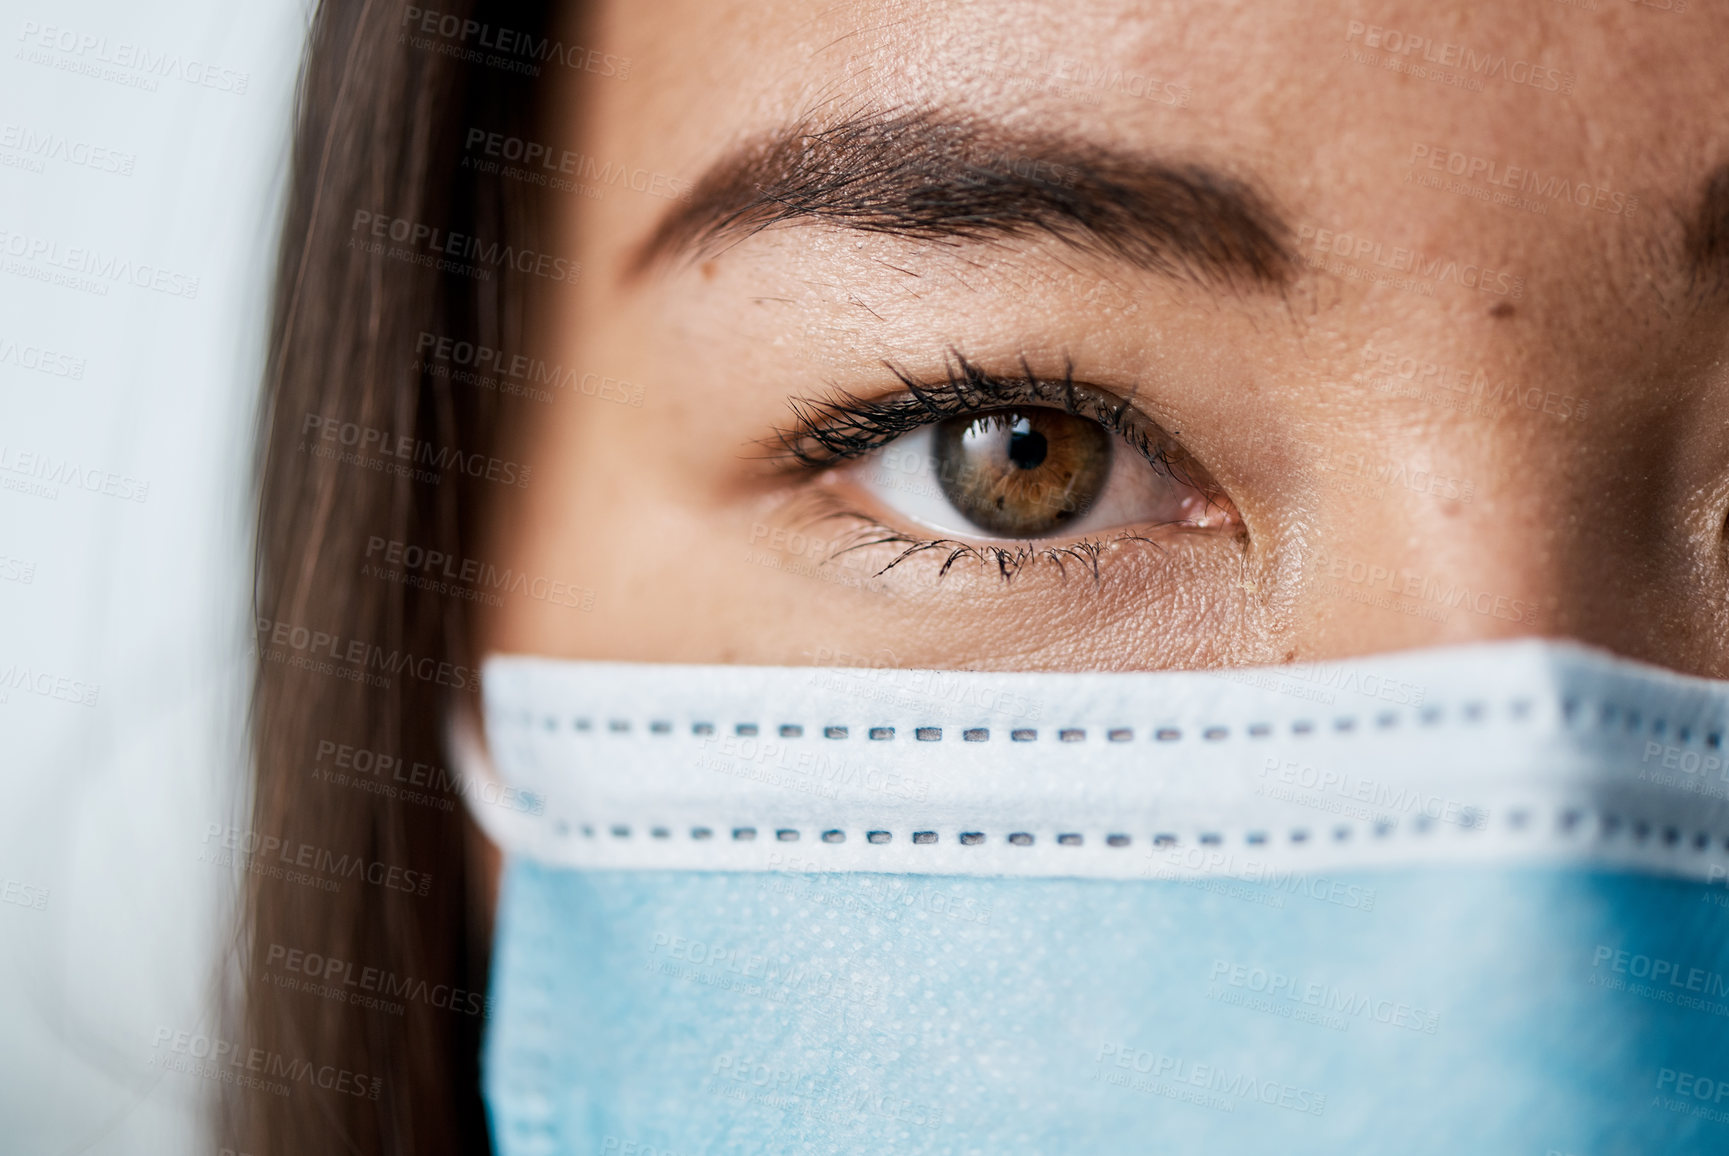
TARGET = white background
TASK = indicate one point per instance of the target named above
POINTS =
(107, 805)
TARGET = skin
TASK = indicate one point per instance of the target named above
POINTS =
(1608, 529)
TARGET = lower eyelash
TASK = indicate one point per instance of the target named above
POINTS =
(1006, 562)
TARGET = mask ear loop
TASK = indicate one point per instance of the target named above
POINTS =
(484, 792)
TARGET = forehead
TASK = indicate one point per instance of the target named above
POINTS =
(1560, 149)
(1630, 89)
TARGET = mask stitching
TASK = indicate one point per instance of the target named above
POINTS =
(1568, 821)
(928, 733)
(1609, 715)
(1474, 712)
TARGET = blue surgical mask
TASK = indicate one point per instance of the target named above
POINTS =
(1464, 900)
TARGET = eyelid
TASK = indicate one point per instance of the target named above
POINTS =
(826, 433)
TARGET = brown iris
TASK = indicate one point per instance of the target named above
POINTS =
(1022, 473)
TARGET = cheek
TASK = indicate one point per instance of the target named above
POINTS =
(1183, 604)
(1130, 605)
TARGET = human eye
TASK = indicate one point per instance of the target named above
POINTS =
(1014, 462)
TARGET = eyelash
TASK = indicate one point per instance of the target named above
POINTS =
(829, 432)
(1007, 562)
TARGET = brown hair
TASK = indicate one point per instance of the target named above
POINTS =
(369, 659)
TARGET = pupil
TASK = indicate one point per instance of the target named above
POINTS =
(1027, 446)
(1021, 473)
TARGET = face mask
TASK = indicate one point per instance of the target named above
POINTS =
(1460, 900)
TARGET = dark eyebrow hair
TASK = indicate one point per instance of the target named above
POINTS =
(956, 179)
(1707, 234)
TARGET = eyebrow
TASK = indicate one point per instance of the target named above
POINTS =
(923, 176)
(1707, 234)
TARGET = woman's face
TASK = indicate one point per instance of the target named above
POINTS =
(1021, 334)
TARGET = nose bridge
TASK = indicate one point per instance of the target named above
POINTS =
(1514, 482)
(1438, 534)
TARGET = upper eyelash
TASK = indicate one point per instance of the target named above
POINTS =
(844, 426)
(829, 432)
